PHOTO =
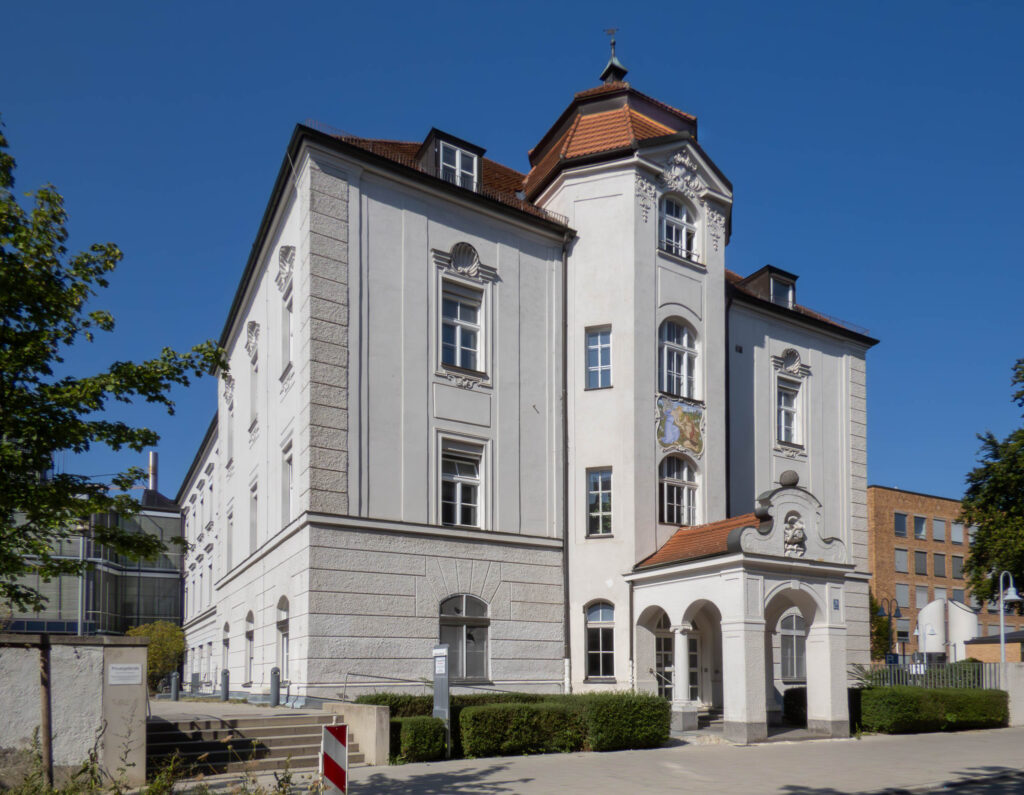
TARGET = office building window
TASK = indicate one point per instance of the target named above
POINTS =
(921, 597)
(902, 630)
(920, 562)
(939, 565)
(902, 594)
(599, 501)
(940, 593)
(900, 560)
(599, 358)
(956, 532)
(920, 528)
(958, 567)
(600, 640)
(958, 594)
(899, 524)
(938, 529)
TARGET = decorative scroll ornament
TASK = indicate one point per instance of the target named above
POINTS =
(462, 381)
(682, 175)
(716, 226)
(646, 194)
(252, 338)
(680, 426)
(285, 267)
(229, 389)
(464, 261)
(794, 538)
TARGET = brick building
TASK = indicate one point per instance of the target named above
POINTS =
(917, 550)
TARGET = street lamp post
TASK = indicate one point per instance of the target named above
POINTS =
(1010, 595)
(889, 608)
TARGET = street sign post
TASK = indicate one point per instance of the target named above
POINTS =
(441, 708)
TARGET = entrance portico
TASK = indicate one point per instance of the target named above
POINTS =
(721, 591)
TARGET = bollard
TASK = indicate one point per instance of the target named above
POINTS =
(224, 677)
(275, 686)
(175, 685)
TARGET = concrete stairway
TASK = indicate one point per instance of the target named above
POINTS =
(209, 745)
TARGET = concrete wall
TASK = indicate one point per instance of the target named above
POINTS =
(1012, 678)
(89, 708)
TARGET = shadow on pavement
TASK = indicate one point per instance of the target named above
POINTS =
(467, 781)
(992, 780)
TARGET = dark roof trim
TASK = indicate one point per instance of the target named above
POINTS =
(738, 294)
(210, 431)
(440, 135)
(771, 269)
(300, 134)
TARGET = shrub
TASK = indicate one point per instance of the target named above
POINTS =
(521, 728)
(419, 738)
(906, 710)
(615, 721)
(794, 706)
(402, 705)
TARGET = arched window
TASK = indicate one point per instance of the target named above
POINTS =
(282, 636)
(464, 626)
(250, 646)
(600, 640)
(677, 359)
(676, 231)
(677, 491)
(793, 634)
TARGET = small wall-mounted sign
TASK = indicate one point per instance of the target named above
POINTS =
(124, 674)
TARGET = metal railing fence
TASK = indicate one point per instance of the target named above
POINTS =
(966, 675)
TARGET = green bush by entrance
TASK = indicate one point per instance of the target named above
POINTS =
(419, 738)
(906, 710)
(506, 729)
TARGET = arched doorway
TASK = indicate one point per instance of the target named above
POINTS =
(700, 672)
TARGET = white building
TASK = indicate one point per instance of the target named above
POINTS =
(529, 416)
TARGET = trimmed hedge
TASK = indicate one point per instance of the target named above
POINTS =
(506, 729)
(906, 710)
(615, 721)
(419, 738)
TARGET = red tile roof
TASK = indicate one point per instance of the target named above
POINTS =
(703, 541)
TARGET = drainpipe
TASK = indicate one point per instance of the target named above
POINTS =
(566, 648)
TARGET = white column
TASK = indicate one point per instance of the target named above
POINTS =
(684, 711)
(743, 685)
(827, 706)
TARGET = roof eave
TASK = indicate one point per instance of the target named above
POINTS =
(738, 294)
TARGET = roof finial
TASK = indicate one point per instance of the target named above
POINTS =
(614, 71)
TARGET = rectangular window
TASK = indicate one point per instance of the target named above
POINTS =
(599, 501)
(900, 561)
(254, 389)
(921, 597)
(287, 483)
(458, 166)
(902, 630)
(788, 395)
(460, 327)
(599, 358)
(254, 509)
(899, 524)
(972, 531)
(902, 594)
(956, 532)
(920, 528)
(460, 486)
(958, 568)
(940, 593)
(938, 529)
(920, 562)
(781, 292)
(940, 565)
(287, 331)
(958, 594)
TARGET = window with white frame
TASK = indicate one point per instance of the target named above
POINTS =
(676, 228)
(287, 483)
(599, 501)
(460, 485)
(781, 292)
(282, 636)
(920, 528)
(460, 327)
(793, 641)
(599, 358)
(464, 625)
(787, 405)
(287, 331)
(254, 514)
(677, 491)
(458, 166)
(677, 359)
(600, 640)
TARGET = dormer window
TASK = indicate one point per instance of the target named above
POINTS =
(782, 292)
(458, 166)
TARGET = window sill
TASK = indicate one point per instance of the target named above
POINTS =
(285, 372)
(690, 258)
(462, 526)
(600, 680)
(596, 388)
(600, 535)
(670, 396)
(454, 368)
(791, 445)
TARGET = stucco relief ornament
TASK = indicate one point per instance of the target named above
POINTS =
(464, 261)
(229, 389)
(462, 381)
(716, 226)
(646, 193)
(681, 175)
(252, 338)
(794, 538)
(285, 266)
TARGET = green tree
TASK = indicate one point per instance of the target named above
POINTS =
(881, 630)
(166, 646)
(43, 296)
(994, 502)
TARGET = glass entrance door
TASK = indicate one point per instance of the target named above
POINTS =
(693, 649)
(663, 665)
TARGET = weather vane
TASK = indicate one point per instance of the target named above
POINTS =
(611, 32)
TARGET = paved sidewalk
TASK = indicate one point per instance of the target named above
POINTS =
(877, 763)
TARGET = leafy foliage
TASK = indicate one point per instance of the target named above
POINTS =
(166, 647)
(881, 630)
(419, 738)
(907, 710)
(44, 293)
(994, 501)
(506, 729)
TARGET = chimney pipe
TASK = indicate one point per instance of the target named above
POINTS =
(152, 470)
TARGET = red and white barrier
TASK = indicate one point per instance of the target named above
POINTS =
(334, 758)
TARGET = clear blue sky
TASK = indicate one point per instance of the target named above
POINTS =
(874, 148)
